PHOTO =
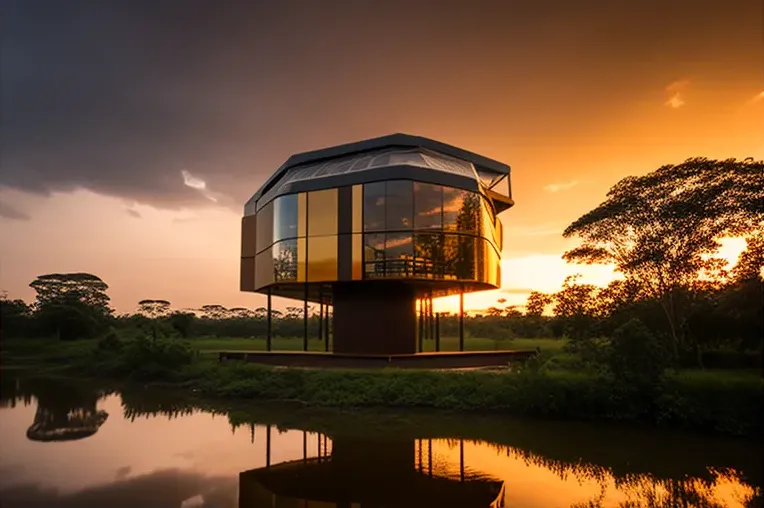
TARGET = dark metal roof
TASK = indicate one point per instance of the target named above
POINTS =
(369, 145)
(402, 140)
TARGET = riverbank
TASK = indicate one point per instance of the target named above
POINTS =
(724, 402)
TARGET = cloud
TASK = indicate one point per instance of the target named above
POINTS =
(676, 89)
(757, 98)
(9, 212)
(133, 213)
(676, 101)
(557, 187)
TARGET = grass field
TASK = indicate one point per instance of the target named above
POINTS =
(205, 344)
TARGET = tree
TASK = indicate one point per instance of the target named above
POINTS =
(182, 322)
(575, 305)
(154, 310)
(215, 311)
(14, 317)
(537, 302)
(661, 230)
(72, 305)
(72, 288)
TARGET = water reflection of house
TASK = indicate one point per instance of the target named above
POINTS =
(359, 473)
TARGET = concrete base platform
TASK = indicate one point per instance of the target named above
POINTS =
(442, 360)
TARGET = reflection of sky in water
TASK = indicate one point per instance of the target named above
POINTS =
(202, 448)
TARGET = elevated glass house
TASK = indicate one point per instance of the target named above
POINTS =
(371, 227)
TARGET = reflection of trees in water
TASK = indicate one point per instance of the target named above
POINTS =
(65, 411)
(149, 403)
(653, 482)
(642, 490)
(646, 491)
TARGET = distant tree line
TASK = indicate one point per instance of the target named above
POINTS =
(661, 231)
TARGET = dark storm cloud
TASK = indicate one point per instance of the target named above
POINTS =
(133, 213)
(120, 97)
(9, 212)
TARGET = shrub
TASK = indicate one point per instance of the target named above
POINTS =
(635, 357)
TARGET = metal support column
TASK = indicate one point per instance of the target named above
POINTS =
(304, 446)
(321, 313)
(461, 459)
(269, 334)
(461, 319)
(431, 317)
(429, 456)
(420, 335)
(437, 331)
(268, 445)
(305, 320)
(326, 328)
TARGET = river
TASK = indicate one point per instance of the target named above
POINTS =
(73, 444)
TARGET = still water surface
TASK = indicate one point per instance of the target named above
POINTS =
(75, 445)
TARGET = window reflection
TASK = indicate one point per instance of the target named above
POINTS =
(322, 212)
(374, 255)
(285, 212)
(399, 198)
(486, 222)
(374, 206)
(461, 210)
(399, 255)
(285, 260)
(357, 257)
(458, 256)
(322, 258)
(428, 255)
(428, 206)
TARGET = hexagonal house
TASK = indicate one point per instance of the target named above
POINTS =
(372, 227)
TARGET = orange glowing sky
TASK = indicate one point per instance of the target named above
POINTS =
(132, 136)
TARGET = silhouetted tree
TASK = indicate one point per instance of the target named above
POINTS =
(72, 305)
(662, 229)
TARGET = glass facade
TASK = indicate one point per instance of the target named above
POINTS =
(322, 258)
(399, 229)
(322, 212)
(285, 217)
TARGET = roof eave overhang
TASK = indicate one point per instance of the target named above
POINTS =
(390, 141)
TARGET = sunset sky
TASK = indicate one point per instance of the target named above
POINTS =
(132, 132)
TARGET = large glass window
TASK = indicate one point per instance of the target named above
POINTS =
(461, 210)
(399, 255)
(322, 212)
(458, 256)
(374, 255)
(399, 201)
(374, 206)
(265, 227)
(322, 258)
(357, 257)
(285, 261)
(428, 206)
(428, 255)
(285, 213)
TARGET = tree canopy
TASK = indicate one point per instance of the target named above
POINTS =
(662, 229)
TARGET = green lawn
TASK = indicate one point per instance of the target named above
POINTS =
(255, 344)
(205, 344)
